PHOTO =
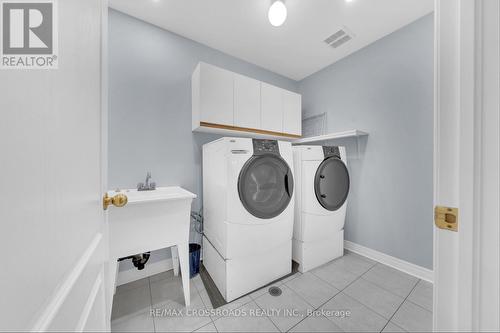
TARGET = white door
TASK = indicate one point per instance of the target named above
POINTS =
(53, 236)
(271, 108)
(246, 102)
(466, 261)
(292, 113)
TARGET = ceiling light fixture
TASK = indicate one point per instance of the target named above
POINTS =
(277, 13)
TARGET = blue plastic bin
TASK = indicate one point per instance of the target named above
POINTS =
(194, 259)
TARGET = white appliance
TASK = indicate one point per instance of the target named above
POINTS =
(322, 186)
(248, 207)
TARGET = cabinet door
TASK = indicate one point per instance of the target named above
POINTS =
(216, 95)
(246, 102)
(271, 108)
(292, 113)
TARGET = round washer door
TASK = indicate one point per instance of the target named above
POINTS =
(331, 183)
(265, 186)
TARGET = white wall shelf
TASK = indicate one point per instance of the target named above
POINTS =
(331, 136)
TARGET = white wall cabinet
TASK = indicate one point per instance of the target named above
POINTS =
(271, 108)
(246, 102)
(214, 94)
(228, 103)
(292, 112)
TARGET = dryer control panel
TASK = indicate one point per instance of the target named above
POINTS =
(331, 151)
(262, 146)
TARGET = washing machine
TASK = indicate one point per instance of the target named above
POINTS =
(248, 207)
(322, 187)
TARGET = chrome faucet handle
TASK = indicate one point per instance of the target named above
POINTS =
(148, 177)
(147, 186)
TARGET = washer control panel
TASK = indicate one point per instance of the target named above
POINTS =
(331, 151)
(262, 146)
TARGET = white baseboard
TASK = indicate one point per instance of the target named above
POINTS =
(150, 269)
(404, 266)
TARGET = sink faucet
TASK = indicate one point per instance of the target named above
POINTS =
(147, 186)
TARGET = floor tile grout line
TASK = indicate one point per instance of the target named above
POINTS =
(204, 305)
(296, 293)
(341, 291)
(151, 302)
(293, 278)
(272, 322)
(283, 284)
(291, 328)
(322, 304)
(369, 307)
(211, 319)
(399, 307)
(303, 298)
(378, 285)
(198, 293)
(314, 309)
(134, 288)
(304, 301)
(241, 305)
(377, 263)
(420, 306)
(382, 287)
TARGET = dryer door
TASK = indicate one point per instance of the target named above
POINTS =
(265, 186)
(331, 183)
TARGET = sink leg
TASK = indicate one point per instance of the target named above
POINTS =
(175, 259)
(183, 250)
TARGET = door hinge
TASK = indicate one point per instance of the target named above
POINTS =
(446, 218)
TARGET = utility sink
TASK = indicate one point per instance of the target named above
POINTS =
(149, 221)
(160, 194)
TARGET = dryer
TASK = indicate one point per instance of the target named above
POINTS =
(322, 186)
(248, 205)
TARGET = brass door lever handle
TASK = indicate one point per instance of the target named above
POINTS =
(118, 200)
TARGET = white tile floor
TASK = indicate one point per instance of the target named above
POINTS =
(378, 297)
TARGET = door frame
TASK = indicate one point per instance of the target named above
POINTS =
(109, 269)
(458, 161)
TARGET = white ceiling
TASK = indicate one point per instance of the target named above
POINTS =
(296, 49)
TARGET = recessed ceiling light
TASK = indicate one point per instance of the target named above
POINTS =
(277, 13)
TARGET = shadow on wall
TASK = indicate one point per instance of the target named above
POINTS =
(199, 139)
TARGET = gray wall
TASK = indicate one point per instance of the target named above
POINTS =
(387, 90)
(150, 104)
